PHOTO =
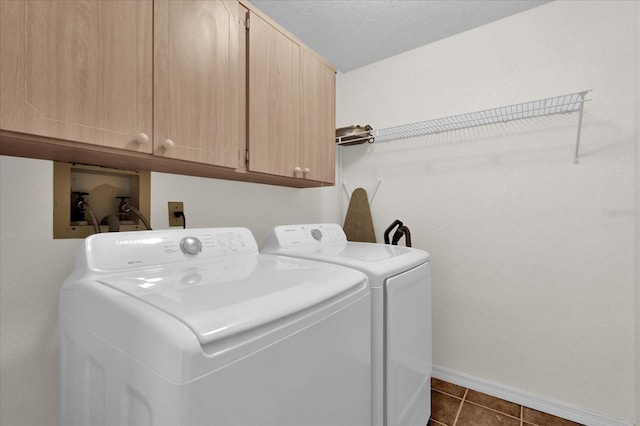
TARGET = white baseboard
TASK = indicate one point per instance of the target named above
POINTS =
(540, 403)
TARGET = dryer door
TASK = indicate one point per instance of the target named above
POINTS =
(408, 347)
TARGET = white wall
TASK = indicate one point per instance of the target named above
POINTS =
(533, 256)
(33, 265)
(214, 203)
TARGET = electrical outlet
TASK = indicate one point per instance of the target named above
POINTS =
(175, 206)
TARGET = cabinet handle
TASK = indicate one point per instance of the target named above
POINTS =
(306, 170)
(168, 144)
(142, 138)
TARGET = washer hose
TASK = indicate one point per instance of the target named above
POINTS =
(135, 211)
(92, 215)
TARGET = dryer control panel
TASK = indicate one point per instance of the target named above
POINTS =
(292, 236)
(126, 250)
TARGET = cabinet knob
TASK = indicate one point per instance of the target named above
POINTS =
(168, 144)
(306, 170)
(297, 170)
(142, 138)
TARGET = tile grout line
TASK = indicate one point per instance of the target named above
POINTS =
(497, 411)
(460, 409)
(444, 393)
(464, 399)
(447, 393)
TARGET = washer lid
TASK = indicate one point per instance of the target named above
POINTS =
(220, 299)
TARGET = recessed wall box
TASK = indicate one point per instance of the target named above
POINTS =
(84, 195)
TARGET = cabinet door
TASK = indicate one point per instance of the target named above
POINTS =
(77, 70)
(197, 78)
(318, 119)
(273, 100)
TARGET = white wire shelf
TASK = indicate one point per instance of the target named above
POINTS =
(563, 104)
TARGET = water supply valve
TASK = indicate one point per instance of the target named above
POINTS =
(78, 207)
(123, 210)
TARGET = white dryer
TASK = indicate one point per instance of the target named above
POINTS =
(400, 282)
(195, 327)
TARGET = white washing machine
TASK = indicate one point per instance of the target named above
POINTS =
(400, 281)
(195, 327)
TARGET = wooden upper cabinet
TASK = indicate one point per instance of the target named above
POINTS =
(273, 100)
(197, 81)
(151, 81)
(291, 106)
(78, 70)
(318, 119)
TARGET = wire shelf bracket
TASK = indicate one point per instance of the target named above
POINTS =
(573, 102)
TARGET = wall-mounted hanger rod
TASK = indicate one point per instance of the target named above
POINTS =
(539, 108)
(372, 195)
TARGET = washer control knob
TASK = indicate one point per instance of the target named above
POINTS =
(191, 246)
(316, 234)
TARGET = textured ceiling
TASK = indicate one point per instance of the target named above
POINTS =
(354, 33)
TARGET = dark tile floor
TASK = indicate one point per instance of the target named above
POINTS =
(453, 405)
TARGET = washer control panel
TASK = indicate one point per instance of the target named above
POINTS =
(291, 236)
(126, 250)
